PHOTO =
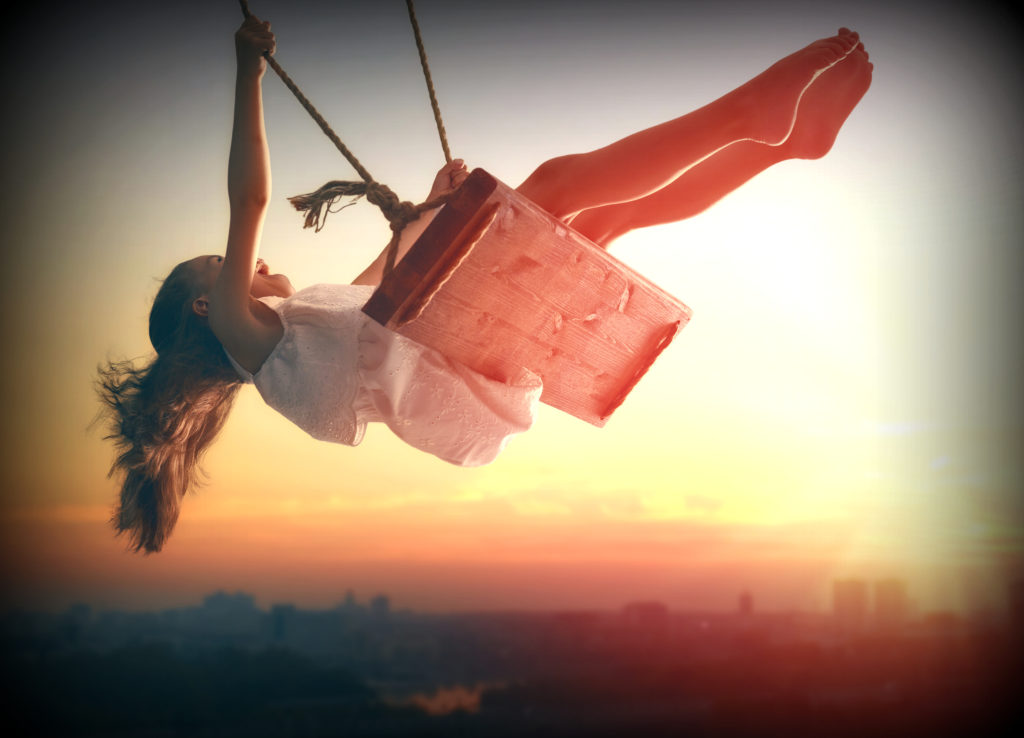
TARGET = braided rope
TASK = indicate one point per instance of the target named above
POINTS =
(313, 112)
(430, 82)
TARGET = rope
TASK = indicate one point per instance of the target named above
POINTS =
(317, 205)
(313, 112)
(430, 83)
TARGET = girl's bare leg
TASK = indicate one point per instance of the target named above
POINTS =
(762, 110)
(822, 111)
(694, 192)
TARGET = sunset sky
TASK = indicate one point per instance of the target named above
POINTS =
(843, 403)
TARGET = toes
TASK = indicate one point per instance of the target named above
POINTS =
(838, 45)
(834, 47)
(847, 39)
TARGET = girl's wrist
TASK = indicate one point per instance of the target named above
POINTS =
(251, 71)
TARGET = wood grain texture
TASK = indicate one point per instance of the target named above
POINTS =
(500, 285)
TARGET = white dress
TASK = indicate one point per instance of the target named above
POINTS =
(335, 369)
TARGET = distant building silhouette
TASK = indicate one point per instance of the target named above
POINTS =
(891, 604)
(850, 604)
(349, 604)
(282, 621)
(221, 601)
(226, 614)
(380, 607)
(746, 604)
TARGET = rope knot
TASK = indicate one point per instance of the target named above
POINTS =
(398, 212)
(317, 205)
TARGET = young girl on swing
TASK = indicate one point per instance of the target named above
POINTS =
(220, 321)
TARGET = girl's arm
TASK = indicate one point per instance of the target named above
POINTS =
(449, 178)
(248, 191)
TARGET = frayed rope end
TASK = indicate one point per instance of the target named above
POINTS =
(317, 205)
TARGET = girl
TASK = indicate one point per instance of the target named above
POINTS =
(220, 321)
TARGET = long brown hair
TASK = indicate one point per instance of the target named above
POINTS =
(163, 415)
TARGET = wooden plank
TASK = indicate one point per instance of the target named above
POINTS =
(497, 283)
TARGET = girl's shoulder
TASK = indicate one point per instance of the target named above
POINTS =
(251, 340)
(321, 308)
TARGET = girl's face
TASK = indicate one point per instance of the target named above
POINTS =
(264, 284)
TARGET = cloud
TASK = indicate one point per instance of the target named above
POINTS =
(701, 503)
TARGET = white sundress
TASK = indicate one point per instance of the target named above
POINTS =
(335, 369)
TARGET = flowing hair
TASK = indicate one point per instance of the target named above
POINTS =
(163, 415)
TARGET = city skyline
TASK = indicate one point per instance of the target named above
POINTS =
(643, 669)
(855, 603)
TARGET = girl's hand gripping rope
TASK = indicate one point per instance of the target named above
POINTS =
(252, 40)
(449, 178)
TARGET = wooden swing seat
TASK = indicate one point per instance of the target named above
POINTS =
(499, 284)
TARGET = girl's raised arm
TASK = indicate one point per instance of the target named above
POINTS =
(248, 189)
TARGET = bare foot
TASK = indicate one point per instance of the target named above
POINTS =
(826, 105)
(773, 96)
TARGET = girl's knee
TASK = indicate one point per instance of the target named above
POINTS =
(552, 185)
(602, 225)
